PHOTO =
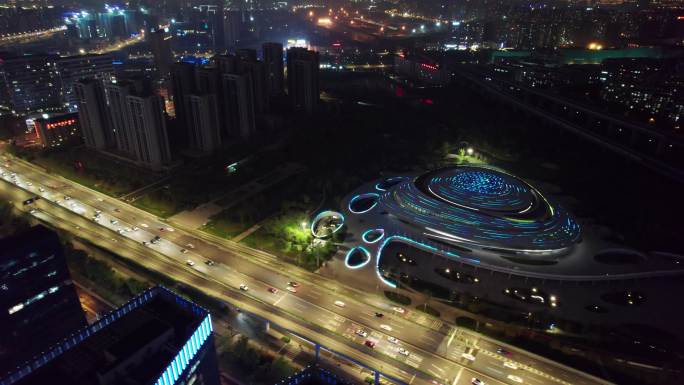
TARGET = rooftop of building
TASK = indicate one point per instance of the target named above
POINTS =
(137, 341)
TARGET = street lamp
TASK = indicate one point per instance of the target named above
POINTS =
(470, 151)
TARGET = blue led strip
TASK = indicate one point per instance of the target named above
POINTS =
(351, 251)
(373, 196)
(186, 354)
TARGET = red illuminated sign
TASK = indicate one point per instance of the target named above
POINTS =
(429, 66)
(61, 124)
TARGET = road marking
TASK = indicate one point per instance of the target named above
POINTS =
(279, 299)
(412, 378)
(458, 376)
(438, 368)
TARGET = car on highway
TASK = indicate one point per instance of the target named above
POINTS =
(189, 245)
(393, 340)
(145, 243)
(362, 333)
(66, 197)
(339, 303)
(120, 231)
(117, 210)
(379, 315)
(189, 262)
(136, 228)
(162, 229)
(369, 343)
(100, 199)
(184, 251)
(291, 289)
(29, 184)
(515, 378)
(468, 356)
(209, 262)
(244, 287)
(33, 211)
(386, 327)
(399, 310)
(403, 351)
(503, 352)
(41, 189)
(145, 225)
(272, 290)
(98, 212)
(511, 365)
(114, 222)
(477, 381)
(293, 284)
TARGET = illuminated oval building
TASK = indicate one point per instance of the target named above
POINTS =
(479, 236)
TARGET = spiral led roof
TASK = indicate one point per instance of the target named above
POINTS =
(481, 207)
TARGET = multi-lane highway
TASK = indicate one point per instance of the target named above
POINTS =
(425, 350)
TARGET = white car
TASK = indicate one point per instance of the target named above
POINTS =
(114, 222)
(100, 199)
(386, 327)
(184, 251)
(144, 225)
(468, 356)
(393, 340)
(399, 310)
(41, 189)
(403, 351)
(339, 303)
(66, 197)
(190, 262)
(136, 228)
(510, 364)
(362, 333)
(33, 211)
(189, 245)
(477, 381)
(29, 184)
(515, 378)
(243, 287)
(291, 289)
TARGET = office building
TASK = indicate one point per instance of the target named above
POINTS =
(273, 59)
(36, 291)
(238, 105)
(147, 122)
(91, 103)
(32, 83)
(74, 68)
(302, 79)
(160, 46)
(203, 122)
(55, 130)
(157, 338)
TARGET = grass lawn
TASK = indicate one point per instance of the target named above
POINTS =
(223, 227)
(156, 205)
(100, 173)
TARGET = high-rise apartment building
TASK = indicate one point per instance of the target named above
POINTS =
(203, 122)
(90, 99)
(147, 123)
(238, 105)
(161, 50)
(156, 338)
(74, 68)
(273, 59)
(117, 111)
(38, 302)
(302, 79)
